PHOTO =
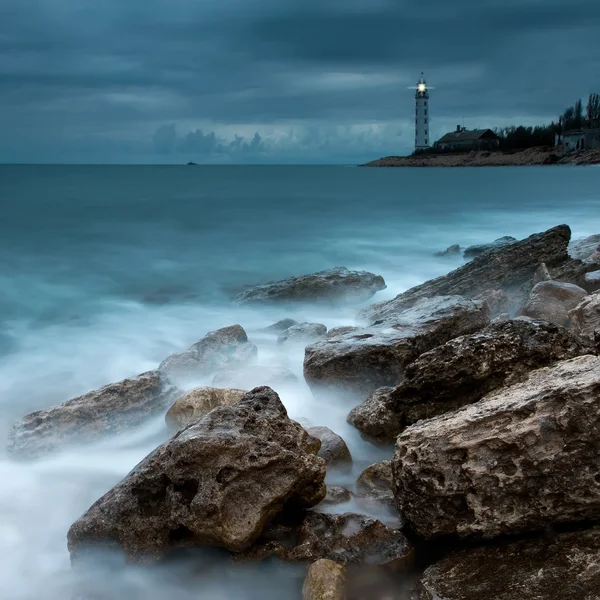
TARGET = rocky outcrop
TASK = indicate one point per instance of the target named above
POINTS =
(585, 318)
(552, 301)
(564, 566)
(522, 458)
(198, 402)
(334, 450)
(303, 333)
(462, 371)
(478, 249)
(585, 248)
(363, 360)
(449, 251)
(225, 348)
(280, 326)
(334, 285)
(509, 268)
(254, 376)
(326, 580)
(218, 482)
(111, 409)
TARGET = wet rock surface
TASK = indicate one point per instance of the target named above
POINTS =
(254, 376)
(363, 360)
(111, 409)
(198, 402)
(325, 580)
(552, 301)
(336, 494)
(478, 249)
(303, 333)
(449, 251)
(522, 458)
(280, 326)
(225, 348)
(337, 285)
(334, 450)
(376, 480)
(462, 371)
(563, 566)
(585, 318)
(217, 483)
(509, 268)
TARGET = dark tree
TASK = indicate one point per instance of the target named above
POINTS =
(593, 110)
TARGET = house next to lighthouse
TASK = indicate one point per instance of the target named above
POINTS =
(422, 115)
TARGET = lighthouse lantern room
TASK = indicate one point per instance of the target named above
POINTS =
(421, 115)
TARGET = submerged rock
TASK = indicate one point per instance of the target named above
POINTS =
(280, 326)
(336, 494)
(552, 301)
(337, 285)
(254, 376)
(375, 356)
(462, 371)
(303, 333)
(216, 483)
(326, 580)
(522, 458)
(334, 450)
(478, 249)
(113, 408)
(563, 566)
(585, 317)
(451, 250)
(225, 348)
(509, 268)
(198, 402)
(376, 481)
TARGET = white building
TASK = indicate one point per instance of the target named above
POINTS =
(422, 115)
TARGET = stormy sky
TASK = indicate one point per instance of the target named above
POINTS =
(278, 81)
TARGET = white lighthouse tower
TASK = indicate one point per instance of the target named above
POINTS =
(421, 115)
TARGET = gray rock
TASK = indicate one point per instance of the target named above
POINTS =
(254, 376)
(585, 317)
(334, 285)
(563, 566)
(541, 274)
(461, 372)
(522, 458)
(584, 248)
(218, 482)
(303, 333)
(280, 326)
(450, 251)
(225, 348)
(592, 281)
(334, 450)
(376, 481)
(336, 494)
(198, 402)
(114, 408)
(478, 249)
(552, 301)
(325, 580)
(509, 268)
(375, 356)
(497, 300)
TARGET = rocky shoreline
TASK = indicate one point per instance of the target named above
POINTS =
(481, 386)
(525, 158)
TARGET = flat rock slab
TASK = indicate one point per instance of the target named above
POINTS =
(524, 457)
(334, 285)
(363, 360)
(218, 482)
(563, 567)
(114, 408)
(508, 268)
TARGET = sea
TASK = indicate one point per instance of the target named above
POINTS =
(106, 270)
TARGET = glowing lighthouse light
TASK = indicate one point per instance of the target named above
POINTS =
(421, 114)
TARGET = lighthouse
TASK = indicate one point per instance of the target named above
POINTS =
(421, 115)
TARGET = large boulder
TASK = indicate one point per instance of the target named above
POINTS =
(225, 348)
(254, 376)
(217, 483)
(334, 450)
(198, 402)
(478, 249)
(325, 580)
(509, 268)
(303, 333)
(564, 566)
(363, 360)
(333, 285)
(522, 458)
(111, 409)
(552, 301)
(585, 317)
(462, 371)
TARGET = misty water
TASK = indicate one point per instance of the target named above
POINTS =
(104, 271)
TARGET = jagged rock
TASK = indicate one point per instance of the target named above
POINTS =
(375, 356)
(334, 450)
(478, 249)
(462, 371)
(254, 376)
(592, 281)
(198, 402)
(225, 348)
(564, 566)
(340, 330)
(497, 300)
(541, 274)
(347, 539)
(333, 285)
(552, 301)
(303, 333)
(336, 494)
(376, 481)
(450, 251)
(115, 407)
(280, 326)
(326, 580)
(217, 483)
(585, 317)
(584, 248)
(522, 458)
(509, 268)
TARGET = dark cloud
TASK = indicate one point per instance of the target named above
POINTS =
(89, 80)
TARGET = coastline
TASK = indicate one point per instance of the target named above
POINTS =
(539, 156)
